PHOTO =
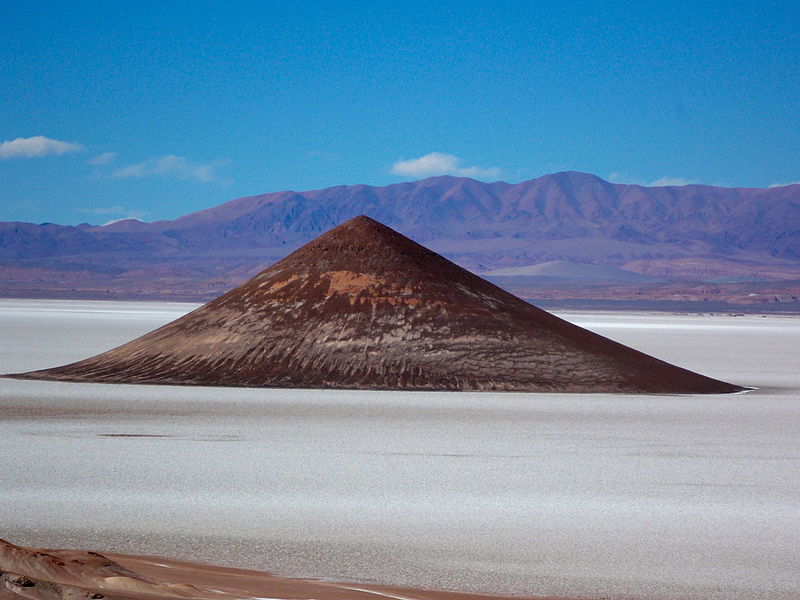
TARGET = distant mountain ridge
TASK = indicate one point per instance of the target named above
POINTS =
(671, 233)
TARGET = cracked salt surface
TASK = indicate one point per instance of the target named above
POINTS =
(650, 497)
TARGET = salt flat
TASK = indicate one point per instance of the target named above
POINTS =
(582, 495)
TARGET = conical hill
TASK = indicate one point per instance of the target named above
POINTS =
(364, 307)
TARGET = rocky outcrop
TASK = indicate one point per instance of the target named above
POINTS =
(75, 575)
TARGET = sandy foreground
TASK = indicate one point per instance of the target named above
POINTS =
(39, 574)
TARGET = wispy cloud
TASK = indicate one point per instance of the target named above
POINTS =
(439, 163)
(35, 147)
(667, 181)
(617, 177)
(173, 166)
(774, 185)
(102, 159)
(116, 210)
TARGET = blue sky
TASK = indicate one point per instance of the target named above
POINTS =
(154, 110)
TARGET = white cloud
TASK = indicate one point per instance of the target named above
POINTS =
(173, 166)
(112, 221)
(102, 159)
(35, 147)
(667, 181)
(438, 163)
(774, 185)
(625, 179)
(114, 211)
(617, 177)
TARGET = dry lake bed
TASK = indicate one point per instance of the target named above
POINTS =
(648, 497)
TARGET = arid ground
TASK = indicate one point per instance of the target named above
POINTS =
(650, 497)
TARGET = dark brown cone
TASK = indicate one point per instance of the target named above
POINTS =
(364, 307)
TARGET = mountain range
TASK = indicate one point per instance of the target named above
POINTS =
(563, 235)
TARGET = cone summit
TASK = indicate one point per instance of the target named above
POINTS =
(364, 307)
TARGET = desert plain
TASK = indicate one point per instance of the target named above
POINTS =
(566, 495)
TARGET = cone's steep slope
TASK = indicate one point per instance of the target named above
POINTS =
(364, 307)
